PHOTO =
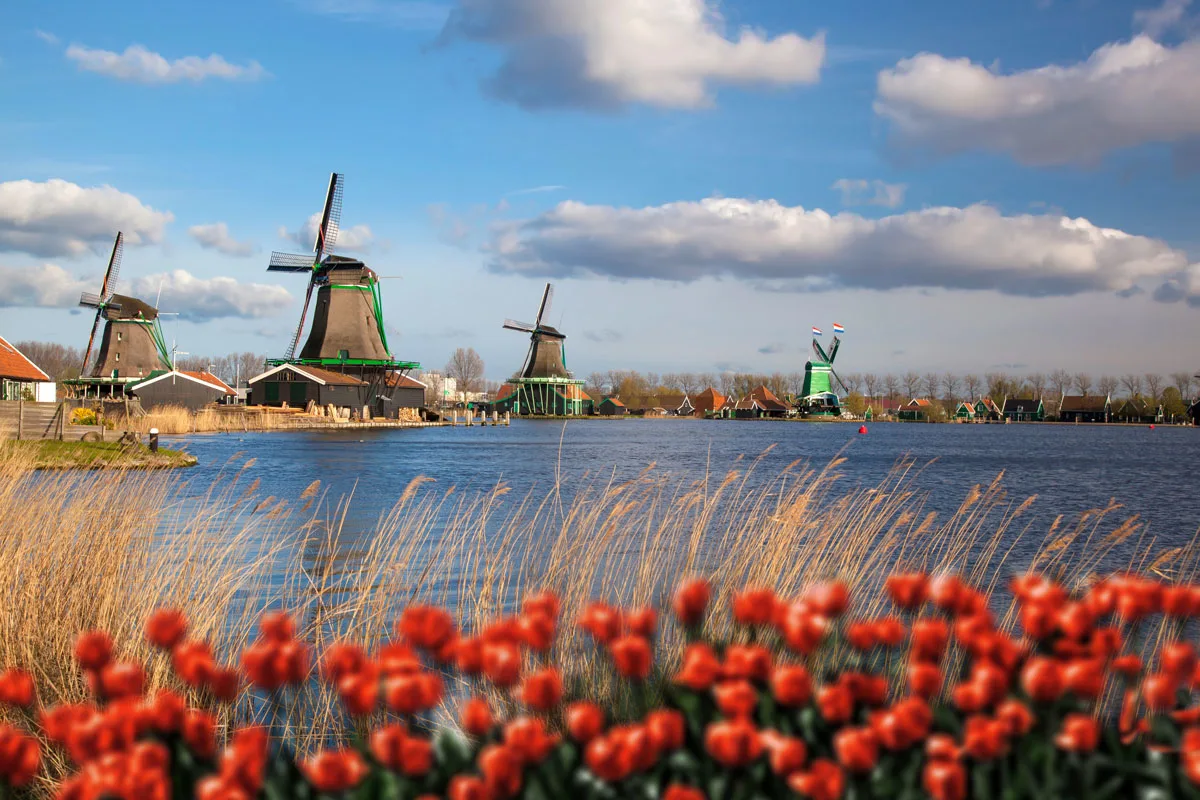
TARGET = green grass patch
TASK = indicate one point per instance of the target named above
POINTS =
(53, 454)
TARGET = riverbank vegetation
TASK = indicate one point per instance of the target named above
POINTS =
(53, 454)
(101, 549)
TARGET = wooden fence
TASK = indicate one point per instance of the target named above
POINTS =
(26, 419)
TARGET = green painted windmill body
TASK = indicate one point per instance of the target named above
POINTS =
(819, 396)
(544, 386)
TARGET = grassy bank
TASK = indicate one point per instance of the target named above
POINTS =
(99, 549)
(52, 454)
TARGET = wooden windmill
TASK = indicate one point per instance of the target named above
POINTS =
(818, 397)
(544, 385)
(132, 345)
(347, 326)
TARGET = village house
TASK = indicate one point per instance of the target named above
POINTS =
(770, 404)
(708, 403)
(1084, 408)
(1137, 410)
(965, 412)
(611, 407)
(919, 409)
(1024, 409)
(190, 389)
(21, 379)
(986, 408)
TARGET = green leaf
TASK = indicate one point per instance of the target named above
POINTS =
(453, 752)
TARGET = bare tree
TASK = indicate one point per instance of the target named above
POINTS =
(652, 380)
(727, 383)
(853, 382)
(706, 380)
(1132, 384)
(891, 385)
(1060, 381)
(912, 383)
(1037, 385)
(1154, 387)
(950, 387)
(1082, 382)
(597, 385)
(972, 383)
(796, 382)
(931, 383)
(466, 367)
(871, 381)
(1108, 385)
(1183, 382)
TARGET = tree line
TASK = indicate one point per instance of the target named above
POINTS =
(63, 362)
(949, 388)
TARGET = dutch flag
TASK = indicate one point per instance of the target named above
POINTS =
(837, 328)
(816, 331)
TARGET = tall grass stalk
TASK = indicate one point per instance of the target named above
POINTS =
(101, 549)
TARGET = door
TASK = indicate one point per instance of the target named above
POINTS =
(271, 392)
(298, 394)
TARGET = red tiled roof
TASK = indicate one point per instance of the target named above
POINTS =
(920, 402)
(615, 402)
(16, 366)
(210, 379)
(767, 399)
(709, 400)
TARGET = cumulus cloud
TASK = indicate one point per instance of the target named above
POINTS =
(59, 218)
(1123, 95)
(46, 36)
(140, 65)
(43, 286)
(861, 192)
(607, 54)
(349, 239)
(196, 299)
(200, 299)
(215, 236)
(972, 248)
(1157, 21)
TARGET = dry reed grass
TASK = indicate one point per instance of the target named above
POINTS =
(177, 420)
(101, 549)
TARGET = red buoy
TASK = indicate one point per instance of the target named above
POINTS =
(862, 428)
(1152, 427)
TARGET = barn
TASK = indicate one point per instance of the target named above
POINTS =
(191, 390)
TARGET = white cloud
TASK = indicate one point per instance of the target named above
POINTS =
(59, 218)
(43, 286)
(1124, 94)
(145, 66)
(357, 238)
(215, 236)
(1157, 21)
(200, 299)
(46, 36)
(860, 192)
(608, 54)
(196, 299)
(792, 248)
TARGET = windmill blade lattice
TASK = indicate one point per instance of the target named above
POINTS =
(524, 327)
(547, 299)
(331, 216)
(101, 301)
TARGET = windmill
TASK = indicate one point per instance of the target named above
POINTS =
(818, 397)
(347, 322)
(103, 301)
(131, 346)
(544, 385)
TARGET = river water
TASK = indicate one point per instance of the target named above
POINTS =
(1070, 468)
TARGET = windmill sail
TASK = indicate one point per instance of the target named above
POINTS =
(102, 301)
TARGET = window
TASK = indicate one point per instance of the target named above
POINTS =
(118, 356)
(343, 354)
(119, 335)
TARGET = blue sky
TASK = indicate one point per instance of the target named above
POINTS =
(678, 182)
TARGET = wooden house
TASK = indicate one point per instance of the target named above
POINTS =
(188, 389)
(709, 403)
(21, 379)
(611, 407)
(1085, 408)
(965, 412)
(748, 408)
(296, 386)
(986, 408)
(1136, 410)
(1024, 409)
(675, 404)
(771, 405)
(1194, 412)
(918, 409)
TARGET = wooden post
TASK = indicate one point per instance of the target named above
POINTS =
(20, 417)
